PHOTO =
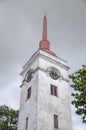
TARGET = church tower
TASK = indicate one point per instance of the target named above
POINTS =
(44, 103)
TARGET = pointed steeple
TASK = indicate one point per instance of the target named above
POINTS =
(44, 43)
(44, 37)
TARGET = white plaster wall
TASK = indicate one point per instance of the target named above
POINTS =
(32, 65)
(45, 64)
(41, 107)
(49, 105)
(28, 108)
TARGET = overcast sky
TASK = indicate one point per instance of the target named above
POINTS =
(21, 32)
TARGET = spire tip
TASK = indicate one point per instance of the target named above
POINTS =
(45, 14)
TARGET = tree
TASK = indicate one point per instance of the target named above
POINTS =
(79, 85)
(8, 118)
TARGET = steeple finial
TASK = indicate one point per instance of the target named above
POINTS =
(45, 14)
(44, 37)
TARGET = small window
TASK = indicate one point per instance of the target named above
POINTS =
(54, 90)
(56, 121)
(26, 123)
(29, 93)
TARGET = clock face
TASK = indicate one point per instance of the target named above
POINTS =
(54, 74)
(29, 77)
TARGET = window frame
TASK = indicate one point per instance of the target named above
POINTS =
(29, 93)
(26, 127)
(54, 90)
(55, 121)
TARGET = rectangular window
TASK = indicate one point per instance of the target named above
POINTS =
(56, 121)
(54, 90)
(26, 123)
(29, 93)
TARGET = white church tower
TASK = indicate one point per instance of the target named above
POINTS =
(44, 101)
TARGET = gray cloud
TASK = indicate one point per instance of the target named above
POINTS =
(84, 0)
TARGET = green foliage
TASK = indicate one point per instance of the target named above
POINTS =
(8, 118)
(79, 85)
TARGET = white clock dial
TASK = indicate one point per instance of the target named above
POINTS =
(54, 74)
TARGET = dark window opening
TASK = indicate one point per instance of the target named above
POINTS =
(56, 121)
(26, 123)
(54, 90)
(29, 93)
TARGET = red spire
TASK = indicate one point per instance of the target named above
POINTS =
(45, 44)
(44, 28)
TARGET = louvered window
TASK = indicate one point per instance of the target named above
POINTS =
(56, 121)
(54, 90)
